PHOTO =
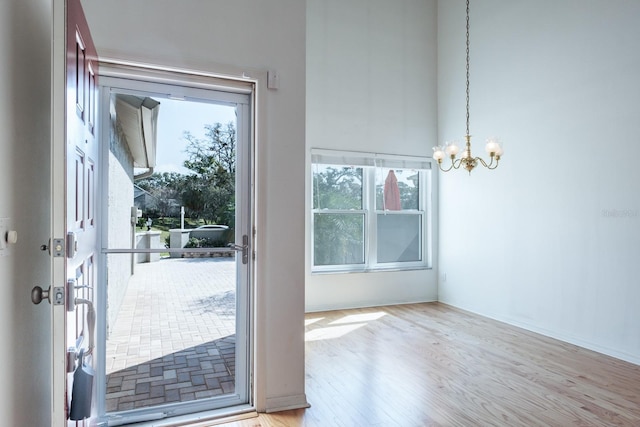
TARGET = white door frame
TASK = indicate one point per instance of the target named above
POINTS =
(58, 210)
(127, 78)
(165, 75)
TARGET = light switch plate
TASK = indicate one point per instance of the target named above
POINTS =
(273, 80)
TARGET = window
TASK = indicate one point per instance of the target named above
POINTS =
(370, 211)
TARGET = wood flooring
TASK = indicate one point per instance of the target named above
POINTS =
(434, 365)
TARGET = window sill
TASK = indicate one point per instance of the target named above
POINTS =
(370, 270)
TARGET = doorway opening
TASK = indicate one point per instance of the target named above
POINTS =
(176, 237)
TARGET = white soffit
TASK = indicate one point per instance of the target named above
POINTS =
(138, 118)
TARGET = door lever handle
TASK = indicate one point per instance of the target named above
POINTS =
(235, 247)
(244, 248)
(38, 294)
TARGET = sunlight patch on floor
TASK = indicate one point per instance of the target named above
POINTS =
(357, 318)
(331, 332)
(308, 322)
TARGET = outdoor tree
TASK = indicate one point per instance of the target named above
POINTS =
(166, 189)
(338, 236)
(209, 192)
(339, 218)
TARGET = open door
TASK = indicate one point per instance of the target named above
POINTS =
(176, 249)
(77, 238)
(74, 240)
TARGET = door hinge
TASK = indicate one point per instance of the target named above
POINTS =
(72, 244)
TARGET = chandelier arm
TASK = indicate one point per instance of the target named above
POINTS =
(490, 165)
(481, 160)
(455, 164)
(443, 169)
(495, 166)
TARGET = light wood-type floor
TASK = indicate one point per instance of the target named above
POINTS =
(434, 365)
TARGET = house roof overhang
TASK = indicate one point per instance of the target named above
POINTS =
(138, 119)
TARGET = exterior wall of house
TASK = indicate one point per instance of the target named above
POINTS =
(550, 240)
(236, 37)
(25, 198)
(371, 87)
(120, 201)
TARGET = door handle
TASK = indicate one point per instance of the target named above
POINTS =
(244, 248)
(38, 294)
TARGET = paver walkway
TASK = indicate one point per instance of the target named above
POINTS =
(174, 336)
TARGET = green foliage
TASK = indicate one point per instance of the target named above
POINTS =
(210, 190)
(167, 223)
(337, 188)
(208, 193)
(205, 242)
(338, 239)
(141, 223)
(166, 189)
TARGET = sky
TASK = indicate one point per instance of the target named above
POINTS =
(174, 118)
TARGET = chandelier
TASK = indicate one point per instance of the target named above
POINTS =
(451, 149)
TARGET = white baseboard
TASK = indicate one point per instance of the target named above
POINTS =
(558, 335)
(575, 340)
(313, 308)
(277, 404)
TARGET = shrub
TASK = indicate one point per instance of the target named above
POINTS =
(205, 242)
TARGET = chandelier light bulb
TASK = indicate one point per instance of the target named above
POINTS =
(438, 154)
(452, 148)
(492, 146)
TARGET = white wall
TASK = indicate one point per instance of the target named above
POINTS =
(24, 199)
(371, 86)
(120, 201)
(549, 246)
(550, 240)
(216, 36)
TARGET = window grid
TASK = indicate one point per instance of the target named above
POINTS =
(371, 213)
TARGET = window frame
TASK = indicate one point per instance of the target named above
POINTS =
(371, 162)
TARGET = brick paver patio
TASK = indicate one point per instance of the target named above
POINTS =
(174, 337)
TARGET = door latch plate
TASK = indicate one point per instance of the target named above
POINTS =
(58, 295)
(57, 248)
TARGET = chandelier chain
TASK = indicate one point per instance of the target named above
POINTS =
(467, 67)
(467, 160)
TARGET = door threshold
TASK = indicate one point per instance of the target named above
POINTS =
(199, 419)
(224, 419)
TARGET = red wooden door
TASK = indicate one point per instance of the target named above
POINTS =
(74, 181)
